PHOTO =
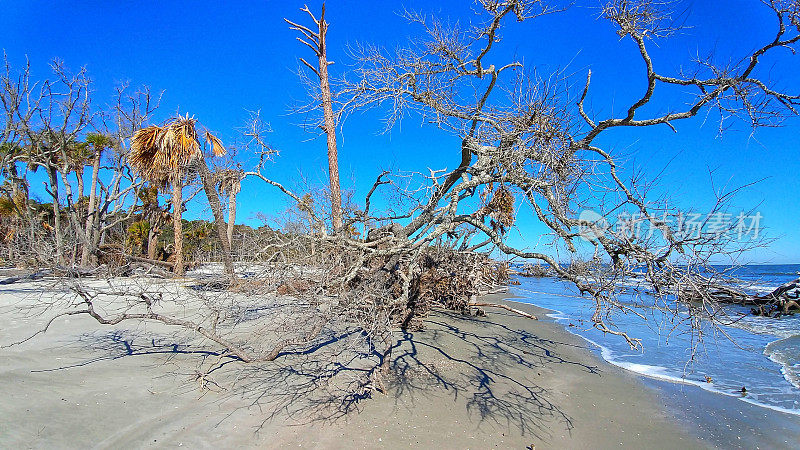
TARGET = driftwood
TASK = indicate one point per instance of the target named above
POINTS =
(58, 271)
(154, 262)
(117, 250)
(30, 277)
(506, 307)
(534, 271)
(785, 299)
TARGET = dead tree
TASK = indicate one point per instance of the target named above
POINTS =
(316, 40)
(784, 299)
(47, 122)
(526, 135)
(524, 139)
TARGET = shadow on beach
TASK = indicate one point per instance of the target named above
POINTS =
(461, 381)
(478, 368)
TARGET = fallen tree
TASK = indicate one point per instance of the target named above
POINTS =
(526, 143)
(782, 300)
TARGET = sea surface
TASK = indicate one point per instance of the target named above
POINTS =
(759, 354)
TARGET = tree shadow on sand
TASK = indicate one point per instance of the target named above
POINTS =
(492, 366)
(486, 369)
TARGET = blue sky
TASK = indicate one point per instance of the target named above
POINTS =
(217, 60)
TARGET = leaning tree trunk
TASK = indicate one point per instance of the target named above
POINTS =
(88, 250)
(177, 224)
(219, 220)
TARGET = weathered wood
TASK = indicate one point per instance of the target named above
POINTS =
(790, 289)
(507, 308)
(154, 262)
(782, 300)
(30, 277)
(118, 250)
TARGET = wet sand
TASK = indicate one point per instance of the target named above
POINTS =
(727, 422)
(721, 421)
(463, 382)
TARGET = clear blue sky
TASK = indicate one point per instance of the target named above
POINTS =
(217, 60)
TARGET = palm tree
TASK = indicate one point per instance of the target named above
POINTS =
(99, 142)
(78, 155)
(138, 233)
(163, 155)
(229, 182)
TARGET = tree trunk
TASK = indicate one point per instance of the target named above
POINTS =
(11, 246)
(79, 176)
(75, 223)
(15, 181)
(51, 172)
(91, 211)
(330, 125)
(177, 224)
(219, 220)
(232, 213)
(152, 240)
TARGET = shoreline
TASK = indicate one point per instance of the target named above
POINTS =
(712, 416)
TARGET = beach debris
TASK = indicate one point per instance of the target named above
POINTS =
(535, 271)
(34, 276)
(783, 300)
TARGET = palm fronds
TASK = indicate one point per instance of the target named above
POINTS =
(100, 141)
(228, 180)
(216, 145)
(159, 153)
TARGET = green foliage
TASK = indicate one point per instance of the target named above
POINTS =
(100, 141)
(9, 149)
(7, 207)
(197, 236)
(137, 235)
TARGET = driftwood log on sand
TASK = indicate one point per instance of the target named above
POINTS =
(29, 277)
(119, 251)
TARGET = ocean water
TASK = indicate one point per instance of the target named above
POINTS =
(758, 353)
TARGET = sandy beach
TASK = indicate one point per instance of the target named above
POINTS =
(212, 236)
(463, 382)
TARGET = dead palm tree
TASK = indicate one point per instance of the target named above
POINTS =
(229, 182)
(316, 38)
(163, 155)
